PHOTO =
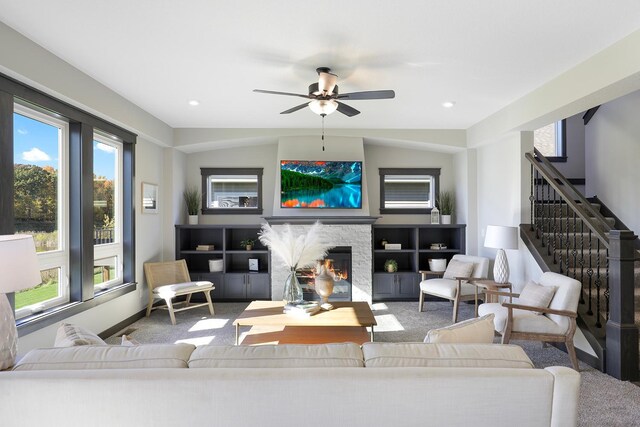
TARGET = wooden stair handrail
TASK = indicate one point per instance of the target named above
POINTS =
(584, 209)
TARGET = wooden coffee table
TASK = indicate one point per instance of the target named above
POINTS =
(346, 322)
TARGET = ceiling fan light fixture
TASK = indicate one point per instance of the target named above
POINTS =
(323, 106)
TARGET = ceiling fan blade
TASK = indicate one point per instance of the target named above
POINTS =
(326, 82)
(347, 110)
(296, 108)
(370, 94)
(272, 92)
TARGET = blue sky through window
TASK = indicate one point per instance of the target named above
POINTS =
(36, 143)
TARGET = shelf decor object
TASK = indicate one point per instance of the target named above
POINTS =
(301, 251)
(20, 270)
(192, 200)
(501, 237)
(435, 215)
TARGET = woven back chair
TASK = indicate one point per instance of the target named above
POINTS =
(171, 279)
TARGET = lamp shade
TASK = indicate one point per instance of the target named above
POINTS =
(19, 268)
(501, 237)
(321, 106)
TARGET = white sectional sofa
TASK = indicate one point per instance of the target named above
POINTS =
(380, 384)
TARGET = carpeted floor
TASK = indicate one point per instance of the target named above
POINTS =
(604, 401)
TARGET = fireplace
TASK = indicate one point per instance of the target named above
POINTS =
(339, 262)
(352, 232)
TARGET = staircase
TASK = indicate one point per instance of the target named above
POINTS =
(569, 234)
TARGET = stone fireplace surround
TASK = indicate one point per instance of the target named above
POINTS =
(343, 231)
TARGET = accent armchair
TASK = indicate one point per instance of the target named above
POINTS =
(171, 279)
(555, 323)
(452, 286)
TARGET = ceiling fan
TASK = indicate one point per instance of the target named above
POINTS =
(325, 98)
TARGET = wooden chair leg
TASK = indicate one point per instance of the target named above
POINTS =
(170, 308)
(455, 310)
(421, 302)
(150, 304)
(188, 300)
(207, 295)
(572, 354)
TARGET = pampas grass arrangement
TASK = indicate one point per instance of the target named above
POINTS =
(296, 251)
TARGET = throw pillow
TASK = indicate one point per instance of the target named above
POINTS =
(458, 269)
(536, 295)
(72, 335)
(472, 331)
(128, 341)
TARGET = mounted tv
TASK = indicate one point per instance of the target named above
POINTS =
(306, 184)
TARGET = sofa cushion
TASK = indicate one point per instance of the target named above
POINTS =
(536, 295)
(277, 356)
(69, 335)
(458, 269)
(392, 355)
(478, 330)
(107, 357)
(446, 288)
(523, 320)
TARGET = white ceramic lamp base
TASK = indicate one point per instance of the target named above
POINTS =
(501, 268)
(8, 334)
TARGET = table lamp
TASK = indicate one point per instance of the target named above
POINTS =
(19, 269)
(501, 237)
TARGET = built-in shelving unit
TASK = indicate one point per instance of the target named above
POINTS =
(235, 282)
(415, 241)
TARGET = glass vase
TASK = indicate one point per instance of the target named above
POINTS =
(292, 289)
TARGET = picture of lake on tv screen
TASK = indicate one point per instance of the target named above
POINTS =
(320, 184)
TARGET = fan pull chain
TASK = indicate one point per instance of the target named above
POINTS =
(323, 131)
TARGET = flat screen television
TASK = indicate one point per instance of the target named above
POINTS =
(307, 184)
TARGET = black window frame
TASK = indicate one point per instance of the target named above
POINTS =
(435, 172)
(206, 172)
(80, 201)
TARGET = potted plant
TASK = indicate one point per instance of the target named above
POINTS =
(192, 199)
(446, 203)
(248, 244)
(391, 266)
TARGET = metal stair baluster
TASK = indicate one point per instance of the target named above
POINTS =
(598, 283)
(581, 262)
(590, 274)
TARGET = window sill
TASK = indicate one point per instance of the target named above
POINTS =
(54, 315)
(391, 211)
(557, 159)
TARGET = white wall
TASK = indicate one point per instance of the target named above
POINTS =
(502, 177)
(612, 153)
(375, 157)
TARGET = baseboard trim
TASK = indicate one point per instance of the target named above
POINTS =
(121, 325)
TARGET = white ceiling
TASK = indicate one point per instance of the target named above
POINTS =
(159, 54)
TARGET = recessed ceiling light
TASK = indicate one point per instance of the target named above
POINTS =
(448, 104)
(194, 102)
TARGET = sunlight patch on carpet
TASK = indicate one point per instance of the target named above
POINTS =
(388, 323)
(379, 306)
(206, 324)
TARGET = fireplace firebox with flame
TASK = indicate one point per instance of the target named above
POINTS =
(338, 263)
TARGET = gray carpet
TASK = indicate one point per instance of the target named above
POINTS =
(604, 401)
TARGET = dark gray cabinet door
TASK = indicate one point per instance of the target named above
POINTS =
(218, 281)
(235, 286)
(258, 286)
(383, 285)
(407, 285)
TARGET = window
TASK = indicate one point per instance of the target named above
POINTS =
(230, 190)
(107, 211)
(40, 183)
(550, 141)
(408, 191)
(60, 160)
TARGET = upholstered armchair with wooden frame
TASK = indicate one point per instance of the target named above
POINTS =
(555, 323)
(455, 288)
(171, 279)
